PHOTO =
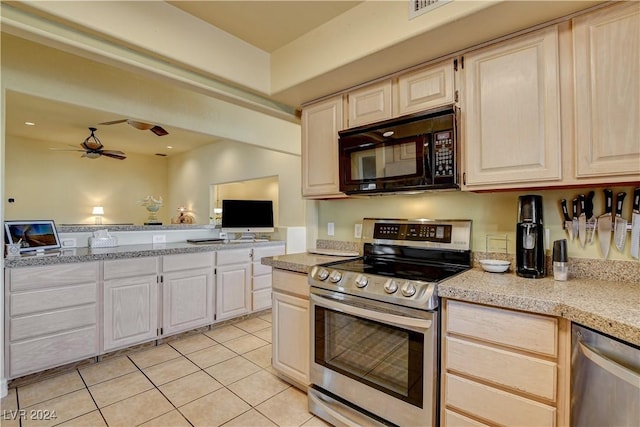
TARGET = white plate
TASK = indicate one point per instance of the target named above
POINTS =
(495, 265)
(333, 252)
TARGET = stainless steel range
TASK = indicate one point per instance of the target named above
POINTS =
(375, 323)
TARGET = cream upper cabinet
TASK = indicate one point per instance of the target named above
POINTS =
(369, 104)
(320, 125)
(607, 92)
(424, 89)
(511, 113)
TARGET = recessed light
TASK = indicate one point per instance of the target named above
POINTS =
(29, 123)
(169, 147)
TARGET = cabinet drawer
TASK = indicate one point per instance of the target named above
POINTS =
(267, 251)
(234, 256)
(48, 323)
(54, 350)
(293, 283)
(508, 369)
(130, 267)
(453, 419)
(259, 269)
(27, 278)
(187, 261)
(52, 299)
(496, 405)
(261, 299)
(262, 282)
(523, 331)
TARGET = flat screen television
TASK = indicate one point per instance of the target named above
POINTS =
(247, 216)
(32, 235)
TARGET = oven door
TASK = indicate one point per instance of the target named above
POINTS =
(374, 358)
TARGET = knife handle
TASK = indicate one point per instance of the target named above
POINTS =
(581, 198)
(619, 199)
(589, 203)
(608, 201)
(575, 207)
(636, 200)
(565, 210)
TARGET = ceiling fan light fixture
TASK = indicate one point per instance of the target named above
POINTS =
(92, 142)
(91, 155)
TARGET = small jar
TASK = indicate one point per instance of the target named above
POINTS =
(560, 260)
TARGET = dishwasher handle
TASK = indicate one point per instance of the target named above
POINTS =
(609, 365)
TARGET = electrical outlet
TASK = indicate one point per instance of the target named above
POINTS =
(331, 228)
(357, 231)
(159, 238)
(68, 242)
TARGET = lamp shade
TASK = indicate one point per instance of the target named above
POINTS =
(97, 210)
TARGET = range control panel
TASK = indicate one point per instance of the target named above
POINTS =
(440, 233)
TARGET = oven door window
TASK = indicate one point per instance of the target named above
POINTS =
(370, 161)
(387, 358)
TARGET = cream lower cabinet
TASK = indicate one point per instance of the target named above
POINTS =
(233, 283)
(503, 367)
(510, 107)
(290, 341)
(262, 277)
(606, 67)
(51, 316)
(130, 298)
(321, 122)
(187, 291)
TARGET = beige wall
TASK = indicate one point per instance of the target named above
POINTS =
(191, 173)
(254, 189)
(492, 213)
(64, 187)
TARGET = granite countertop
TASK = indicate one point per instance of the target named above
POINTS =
(607, 306)
(73, 255)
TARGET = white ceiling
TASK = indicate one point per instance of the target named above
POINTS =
(266, 24)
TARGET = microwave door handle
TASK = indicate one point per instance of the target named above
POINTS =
(609, 365)
(401, 321)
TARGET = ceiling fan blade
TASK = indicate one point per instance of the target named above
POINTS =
(119, 155)
(139, 125)
(113, 122)
(64, 149)
(158, 130)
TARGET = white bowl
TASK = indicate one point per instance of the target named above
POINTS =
(495, 265)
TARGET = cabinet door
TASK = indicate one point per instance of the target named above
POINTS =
(607, 91)
(511, 112)
(370, 104)
(291, 336)
(187, 300)
(130, 311)
(320, 125)
(425, 88)
(233, 290)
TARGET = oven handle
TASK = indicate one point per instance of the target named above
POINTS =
(401, 321)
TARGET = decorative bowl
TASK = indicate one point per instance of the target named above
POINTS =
(495, 265)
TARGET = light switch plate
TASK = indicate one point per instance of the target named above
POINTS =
(68, 242)
(331, 228)
(357, 231)
(159, 238)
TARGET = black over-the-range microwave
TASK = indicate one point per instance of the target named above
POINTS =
(416, 152)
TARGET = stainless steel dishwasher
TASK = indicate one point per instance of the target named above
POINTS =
(605, 380)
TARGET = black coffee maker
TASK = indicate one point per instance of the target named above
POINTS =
(530, 259)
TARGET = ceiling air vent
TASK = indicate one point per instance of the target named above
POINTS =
(420, 7)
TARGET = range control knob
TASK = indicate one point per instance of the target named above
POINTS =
(408, 289)
(361, 281)
(390, 286)
(335, 276)
(323, 274)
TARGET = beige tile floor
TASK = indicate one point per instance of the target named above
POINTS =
(220, 377)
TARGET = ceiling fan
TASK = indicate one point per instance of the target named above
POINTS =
(158, 130)
(92, 148)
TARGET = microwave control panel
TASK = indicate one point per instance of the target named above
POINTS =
(443, 154)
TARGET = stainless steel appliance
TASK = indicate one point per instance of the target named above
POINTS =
(411, 153)
(530, 259)
(375, 323)
(605, 380)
